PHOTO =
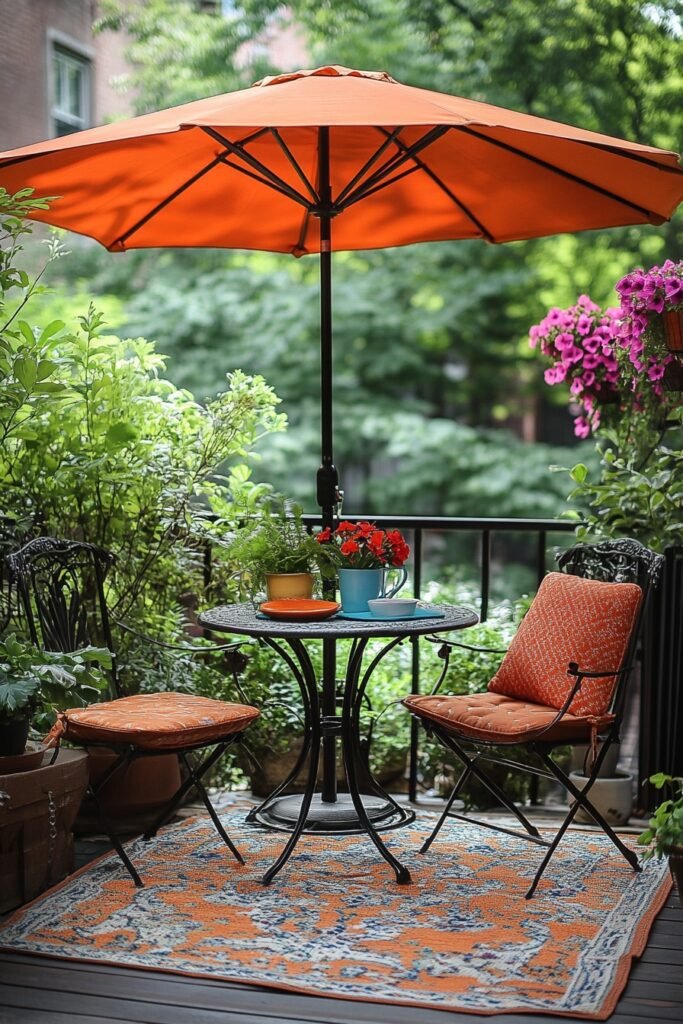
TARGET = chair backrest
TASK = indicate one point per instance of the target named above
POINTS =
(622, 560)
(589, 614)
(60, 585)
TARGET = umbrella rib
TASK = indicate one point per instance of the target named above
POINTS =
(295, 164)
(383, 184)
(451, 195)
(390, 137)
(270, 177)
(395, 162)
(624, 153)
(122, 239)
(558, 170)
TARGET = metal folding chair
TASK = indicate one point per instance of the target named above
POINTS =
(588, 614)
(61, 589)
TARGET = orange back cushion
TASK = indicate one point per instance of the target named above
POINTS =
(570, 619)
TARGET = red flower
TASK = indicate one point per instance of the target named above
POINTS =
(349, 547)
(346, 527)
(376, 540)
(365, 529)
(324, 535)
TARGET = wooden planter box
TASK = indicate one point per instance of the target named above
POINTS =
(37, 812)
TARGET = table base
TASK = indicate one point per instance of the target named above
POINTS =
(332, 817)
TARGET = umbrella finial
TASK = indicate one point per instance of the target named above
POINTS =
(329, 71)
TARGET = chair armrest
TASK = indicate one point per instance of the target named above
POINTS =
(444, 652)
(234, 645)
(574, 670)
(445, 644)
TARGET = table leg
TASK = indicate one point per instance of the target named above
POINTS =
(353, 697)
(308, 684)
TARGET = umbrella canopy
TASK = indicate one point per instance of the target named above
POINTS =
(406, 165)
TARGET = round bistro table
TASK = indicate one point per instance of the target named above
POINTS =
(369, 811)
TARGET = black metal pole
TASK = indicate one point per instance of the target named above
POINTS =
(327, 480)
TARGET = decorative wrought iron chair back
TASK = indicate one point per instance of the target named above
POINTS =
(617, 561)
(61, 589)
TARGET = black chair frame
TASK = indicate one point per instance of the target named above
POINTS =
(616, 561)
(50, 578)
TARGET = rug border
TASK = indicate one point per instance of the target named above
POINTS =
(620, 981)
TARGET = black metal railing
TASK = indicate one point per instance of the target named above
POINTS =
(661, 694)
(486, 528)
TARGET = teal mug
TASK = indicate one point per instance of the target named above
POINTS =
(358, 586)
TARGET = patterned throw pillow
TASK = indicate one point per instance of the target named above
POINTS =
(570, 619)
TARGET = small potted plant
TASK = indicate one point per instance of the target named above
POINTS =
(664, 836)
(362, 554)
(274, 552)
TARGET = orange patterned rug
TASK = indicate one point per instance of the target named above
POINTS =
(461, 937)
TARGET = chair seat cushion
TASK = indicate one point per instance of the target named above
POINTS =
(495, 717)
(570, 619)
(157, 720)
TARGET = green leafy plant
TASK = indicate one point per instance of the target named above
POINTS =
(98, 446)
(665, 827)
(272, 539)
(35, 684)
(639, 487)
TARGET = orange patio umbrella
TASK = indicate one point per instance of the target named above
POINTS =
(302, 158)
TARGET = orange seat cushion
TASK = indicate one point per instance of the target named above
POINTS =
(157, 720)
(570, 619)
(496, 718)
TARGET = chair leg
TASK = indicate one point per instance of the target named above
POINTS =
(199, 786)
(94, 791)
(464, 775)
(580, 800)
(492, 786)
(170, 807)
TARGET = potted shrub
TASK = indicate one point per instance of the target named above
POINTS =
(274, 552)
(664, 836)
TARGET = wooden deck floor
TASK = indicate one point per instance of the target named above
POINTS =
(37, 990)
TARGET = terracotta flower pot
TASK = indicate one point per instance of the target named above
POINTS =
(283, 585)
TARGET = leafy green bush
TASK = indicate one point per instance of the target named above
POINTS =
(98, 446)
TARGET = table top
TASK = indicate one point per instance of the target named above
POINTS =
(243, 619)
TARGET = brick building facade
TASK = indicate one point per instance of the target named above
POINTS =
(54, 72)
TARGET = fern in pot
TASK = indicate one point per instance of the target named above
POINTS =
(273, 552)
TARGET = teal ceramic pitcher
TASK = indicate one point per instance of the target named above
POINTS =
(358, 586)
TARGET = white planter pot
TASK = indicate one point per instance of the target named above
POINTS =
(608, 768)
(612, 797)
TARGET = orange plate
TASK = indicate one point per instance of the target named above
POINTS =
(303, 609)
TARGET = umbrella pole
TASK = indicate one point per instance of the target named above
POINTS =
(327, 479)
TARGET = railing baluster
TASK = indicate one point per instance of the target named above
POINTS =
(485, 573)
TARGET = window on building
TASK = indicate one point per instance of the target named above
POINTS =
(70, 92)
